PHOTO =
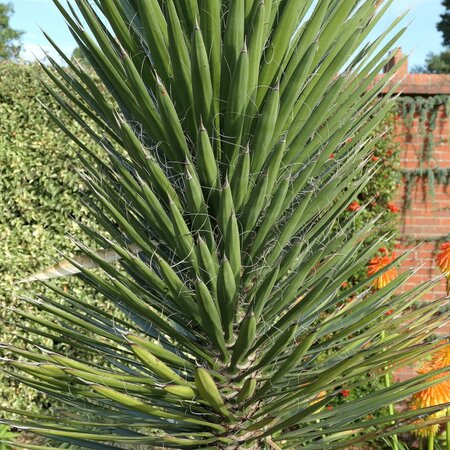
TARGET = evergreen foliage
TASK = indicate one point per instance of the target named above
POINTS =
(440, 62)
(444, 24)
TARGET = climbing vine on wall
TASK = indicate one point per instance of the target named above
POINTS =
(426, 111)
(436, 175)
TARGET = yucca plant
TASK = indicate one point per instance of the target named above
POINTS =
(233, 135)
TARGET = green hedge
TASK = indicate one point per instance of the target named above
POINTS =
(39, 194)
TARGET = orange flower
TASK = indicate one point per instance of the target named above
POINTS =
(443, 258)
(431, 396)
(332, 155)
(443, 261)
(345, 392)
(441, 358)
(354, 206)
(393, 208)
(378, 263)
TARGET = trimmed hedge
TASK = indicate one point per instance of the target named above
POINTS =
(39, 194)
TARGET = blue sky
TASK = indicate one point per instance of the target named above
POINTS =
(420, 39)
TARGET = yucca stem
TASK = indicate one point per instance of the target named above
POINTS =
(387, 384)
(447, 429)
(431, 442)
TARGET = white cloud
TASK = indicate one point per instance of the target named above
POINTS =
(33, 52)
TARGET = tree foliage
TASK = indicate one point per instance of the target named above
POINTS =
(439, 62)
(9, 38)
(444, 25)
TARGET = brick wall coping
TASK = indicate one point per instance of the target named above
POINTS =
(413, 83)
(420, 84)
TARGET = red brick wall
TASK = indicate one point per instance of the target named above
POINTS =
(427, 217)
